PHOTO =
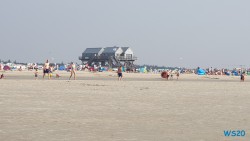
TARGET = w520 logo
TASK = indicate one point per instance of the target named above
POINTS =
(234, 133)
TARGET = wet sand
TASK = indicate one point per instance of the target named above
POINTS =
(142, 107)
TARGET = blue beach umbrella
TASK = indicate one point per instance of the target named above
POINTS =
(62, 68)
(235, 73)
(201, 72)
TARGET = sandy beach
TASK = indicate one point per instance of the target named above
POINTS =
(142, 107)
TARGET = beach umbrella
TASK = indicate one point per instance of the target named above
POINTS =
(201, 72)
(6, 68)
(164, 74)
(235, 73)
(141, 70)
(227, 73)
(62, 68)
(105, 69)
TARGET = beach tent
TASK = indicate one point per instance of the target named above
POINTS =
(101, 69)
(143, 70)
(201, 72)
(227, 73)
(104, 69)
(62, 68)
(6, 68)
(235, 73)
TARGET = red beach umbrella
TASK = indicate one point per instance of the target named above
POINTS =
(164, 74)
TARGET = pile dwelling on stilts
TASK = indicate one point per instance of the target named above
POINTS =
(112, 57)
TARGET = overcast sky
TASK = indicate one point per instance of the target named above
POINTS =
(186, 33)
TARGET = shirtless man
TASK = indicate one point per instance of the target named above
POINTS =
(46, 68)
(119, 73)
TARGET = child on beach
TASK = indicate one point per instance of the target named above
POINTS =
(50, 72)
(58, 76)
(119, 72)
(36, 74)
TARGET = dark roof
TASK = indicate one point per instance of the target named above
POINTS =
(124, 49)
(92, 50)
(110, 49)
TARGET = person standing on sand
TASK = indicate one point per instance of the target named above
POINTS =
(178, 74)
(119, 72)
(171, 75)
(72, 70)
(242, 77)
(46, 68)
(167, 74)
(2, 76)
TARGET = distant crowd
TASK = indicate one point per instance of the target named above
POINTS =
(49, 68)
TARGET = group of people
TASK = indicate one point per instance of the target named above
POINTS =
(48, 69)
(167, 74)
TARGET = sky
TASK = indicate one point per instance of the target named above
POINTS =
(187, 33)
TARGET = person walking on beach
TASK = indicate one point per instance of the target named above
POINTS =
(167, 74)
(20, 68)
(119, 72)
(72, 70)
(171, 75)
(46, 68)
(242, 77)
(178, 74)
(2, 76)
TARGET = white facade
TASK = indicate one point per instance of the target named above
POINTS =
(128, 53)
(118, 52)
